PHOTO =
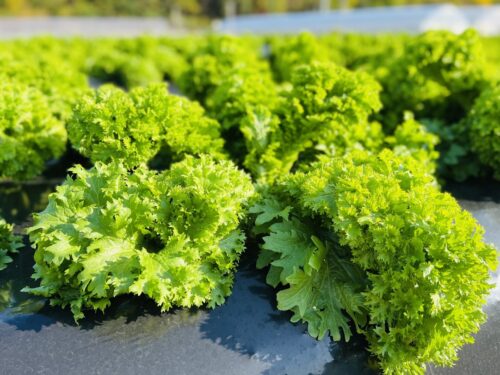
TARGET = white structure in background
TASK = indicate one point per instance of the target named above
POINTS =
(82, 26)
(411, 19)
(445, 16)
(484, 19)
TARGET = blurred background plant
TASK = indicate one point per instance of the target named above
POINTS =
(193, 8)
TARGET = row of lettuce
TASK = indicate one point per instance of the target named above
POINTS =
(328, 151)
(253, 88)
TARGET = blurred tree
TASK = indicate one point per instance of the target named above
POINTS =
(262, 6)
(15, 6)
(206, 8)
(212, 8)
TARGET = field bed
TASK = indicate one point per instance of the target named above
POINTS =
(247, 335)
(279, 207)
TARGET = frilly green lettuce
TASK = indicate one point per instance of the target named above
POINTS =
(483, 124)
(172, 236)
(112, 124)
(9, 243)
(438, 76)
(30, 135)
(213, 60)
(289, 52)
(370, 240)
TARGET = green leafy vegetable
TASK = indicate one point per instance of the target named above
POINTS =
(58, 80)
(172, 236)
(134, 62)
(328, 107)
(287, 53)
(367, 52)
(484, 128)
(213, 61)
(326, 110)
(457, 161)
(244, 103)
(412, 139)
(135, 126)
(370, 239)
(437, 77)
(9, 243)
(325, 114)
(29, 134)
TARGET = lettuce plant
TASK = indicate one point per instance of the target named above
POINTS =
(287, 53)
(244, 103)
(107, 63)
(61, 82)
(484, 128)
(367, 52)
(172, 236)
(213, 61)
(71, 51)
(9, 243)
(29, 134)
(114, 124)
(369, 242)
(135, 126)
(170, 63)
(325, 114)
(438, 76)
(133, 62)
(328, 106)
(411, 139)
(457, 161)
(188, 130)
